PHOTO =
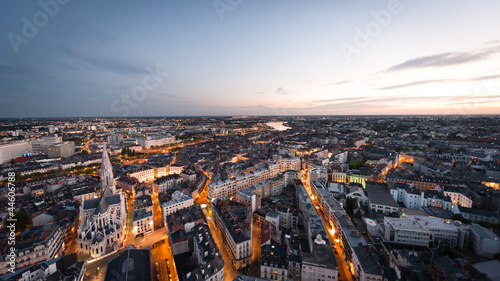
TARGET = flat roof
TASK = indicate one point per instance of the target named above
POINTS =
(405, 224)
(380, 196)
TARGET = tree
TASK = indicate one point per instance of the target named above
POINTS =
(23, 220)
(356, 164)
(459, 217)
(350, 204)
(128, 152)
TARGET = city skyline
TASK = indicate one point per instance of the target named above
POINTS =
(71, 59)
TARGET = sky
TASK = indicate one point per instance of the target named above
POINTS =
(70, 58)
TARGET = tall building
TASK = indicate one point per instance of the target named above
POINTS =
(13, 150)
(41, 146)
(61, 149)
(102, 218)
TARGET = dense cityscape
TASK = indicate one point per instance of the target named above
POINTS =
(251, 198)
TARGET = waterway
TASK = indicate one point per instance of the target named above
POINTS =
(278, 126)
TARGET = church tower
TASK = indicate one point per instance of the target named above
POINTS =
(107, 181)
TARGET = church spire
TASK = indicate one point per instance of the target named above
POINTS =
(107, 180)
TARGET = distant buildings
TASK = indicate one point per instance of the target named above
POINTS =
(61, 149)
(13, 150)
(156, 140)
(41, 146)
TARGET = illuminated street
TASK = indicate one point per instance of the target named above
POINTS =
(345, 274)
(256, 249)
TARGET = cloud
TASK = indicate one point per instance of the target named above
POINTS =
(338, 83)
(13, 70)
(281, 91)
(423, 82)
(377, 103)
(95, 46)
(416, 83)
(170, 96)
(105, 59)
(445, 59)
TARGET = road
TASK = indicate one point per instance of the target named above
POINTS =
(86, 145)
(157, 214)
(345, 274)
(256, 250)
(160, 252)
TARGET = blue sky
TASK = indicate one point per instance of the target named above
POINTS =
(91, 58)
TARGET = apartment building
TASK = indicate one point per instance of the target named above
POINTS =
(143, 174)
(458, 196)
(66, 268)
(180, 200)
(230, 187)
(231, 219)
(413, 198)
(142, 222)
(164, 183)
(34, 245)
(293, 163)
(273, 264)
